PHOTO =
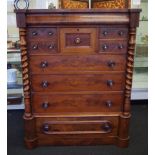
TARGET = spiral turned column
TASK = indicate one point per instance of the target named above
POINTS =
(129, 71)
(25, 72)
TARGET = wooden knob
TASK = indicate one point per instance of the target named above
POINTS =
(45, 105)
(51, 46)
(77, 40)
(44, 64)
(46, 127)
(50, 33)
(35, 47)
(121, 33)
(120, 46)
(104, 47)
(45, 84)
(34, 33)
(107, 127)
(109, 103)
(111, 63)
(110, 83)
(105, 33)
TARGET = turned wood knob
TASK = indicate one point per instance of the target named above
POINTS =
(105, 33)
(109, 103)
(77, 40)
(44, 64)
(34, 33)
(46, 127)
(120, 46)
(107, 127)
(45, 105)
(121, 33)
(51, 46)
(111, 63)
(104, 47)
(110, 83)
(45, 84)
(50, 33)
(35, 47)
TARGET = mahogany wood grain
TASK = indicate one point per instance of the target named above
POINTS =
(68, 63)
(77, 75)
(85, 82)
(65, 103)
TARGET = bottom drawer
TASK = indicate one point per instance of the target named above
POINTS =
(65, 127)
(88, 130)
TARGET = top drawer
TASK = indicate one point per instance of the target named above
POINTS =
(113, 33)
(41, 33)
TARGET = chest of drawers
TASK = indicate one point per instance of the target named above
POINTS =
(77, 75)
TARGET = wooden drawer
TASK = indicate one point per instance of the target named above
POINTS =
(42, 34)
(113, 33)
(69, 63)
(78, 40)
(75, 103)
(77, 126)
(76, 82)
(42, 47)
(112, 46)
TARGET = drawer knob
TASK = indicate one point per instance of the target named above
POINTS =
(51, 46)
(45, 84)
(50, 33)
(46, 127)
(35, 47)
(77, 40)
(111, 63)
(110, 83)
(44, 64)
(104, 47)
(107, 127)
(34, 33)
(45, 105)
(109, 103)
(121, 33)
(120, 46)
(105, 33)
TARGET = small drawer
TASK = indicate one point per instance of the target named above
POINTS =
(81, 40)
(70, 63)
(41, 33)
(48, 47)
(112, 46)
(103, 126)
(113, 33)
(78, 82)
(77, 103)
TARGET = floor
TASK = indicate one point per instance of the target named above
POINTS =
(138, 133)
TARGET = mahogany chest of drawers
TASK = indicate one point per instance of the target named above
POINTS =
(77, 75)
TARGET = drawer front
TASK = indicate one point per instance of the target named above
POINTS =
(112, 46)
(42, 47)
(78, 40)
(62, 103)
(113, 33)
(104, 126)
(49, 64)
(92, 82)
(42, 33)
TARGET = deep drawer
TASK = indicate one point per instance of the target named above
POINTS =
(78, 40)
(74, 103)
(67, 63)
(83, 82)
(77, 126)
